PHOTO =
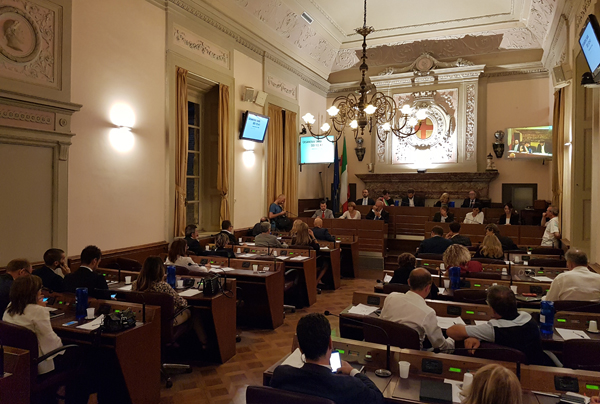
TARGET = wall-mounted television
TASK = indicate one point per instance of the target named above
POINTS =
(529, 142)
(316, 151)
(254, 127)
(589, 40)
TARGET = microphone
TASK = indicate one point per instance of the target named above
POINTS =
(438, 350)
(379, 372)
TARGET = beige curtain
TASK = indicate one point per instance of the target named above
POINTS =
(275, 155)
(181, 151)
(558, 145)
(290, 162)
(224, 145)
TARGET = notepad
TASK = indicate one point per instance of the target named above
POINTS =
(325, 248)
(126, 287)
(387, 279)
(299, 258)
(282, 257)
(363, 309)
(446, 322)
(542, 278)
(92, 325)
(572, 334)
(220, 270)
(189, 293)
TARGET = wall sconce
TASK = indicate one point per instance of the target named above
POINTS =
(121, 138)
(248, 156)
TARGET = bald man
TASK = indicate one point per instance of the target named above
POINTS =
(378, 213)
(321, 233)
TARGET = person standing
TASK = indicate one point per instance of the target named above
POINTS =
(279, 215)
(551, 237)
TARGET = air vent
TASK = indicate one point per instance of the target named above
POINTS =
(307, 17)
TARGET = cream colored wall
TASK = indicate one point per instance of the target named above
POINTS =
(249, 183)
(117, 199)
(512, 104)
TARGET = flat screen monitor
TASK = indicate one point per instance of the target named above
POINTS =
(529, 142)
(254, 127)
(316, 151)
(590, 45)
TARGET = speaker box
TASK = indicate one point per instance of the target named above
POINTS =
(261, 98)
(249, 94)
(561, 75)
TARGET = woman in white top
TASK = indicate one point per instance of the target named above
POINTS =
(27, 309)
(351, 213)
(177, 256)
(475, 217)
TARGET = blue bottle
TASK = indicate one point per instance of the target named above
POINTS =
(81, 303)
(454, 273)
(171, 277)
(547, 318)
(273, 225)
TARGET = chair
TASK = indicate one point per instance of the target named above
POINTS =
(495, 352)
(548, 262)
(395, 287)
(169, 333)
(470, 296)
(581, 354)
(577, 305)
(400, 335)
(269, 395)
(548, 251)
(484, 275)
(42, 387)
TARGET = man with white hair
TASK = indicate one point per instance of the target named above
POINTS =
(577, 283)
(551, 235)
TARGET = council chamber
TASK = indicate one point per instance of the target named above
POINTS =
(251, 201)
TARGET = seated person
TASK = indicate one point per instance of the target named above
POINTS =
(411, 310)
(304, 237)
(14, 269)
(365, 200)
(191, 237)
(490, 248)
(351, 213)
(177, 256)
(455, 236)
(86, 277)
(323, 212)
(315, 377)
(577, 283)
(508, 327)
(221, 247)
(510, 216)
(443, 216)
(386, 198)
(443, 201)
(266, 239)
(411, 200)
(437, 244)
(53, 259)
(295, 227)
(320, 233)
(507, 243)
(256, 230)
(378, 213)
(494, 384)
(551, 237)
(474, 217)
(457, 255)
(279, 215)
(471, 201)
(406, 263)
(227, 229)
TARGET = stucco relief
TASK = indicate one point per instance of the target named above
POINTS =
(27, 41)
(519, 38)
(470, 142)
(200, 46)
(582, 15)
(540, 18)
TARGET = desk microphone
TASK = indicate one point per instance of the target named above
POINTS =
(379, 372)
(437, 350)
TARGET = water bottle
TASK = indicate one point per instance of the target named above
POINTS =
(547, 317)
(171, 277)
(81, 303)
(454, 273)
(273, 226)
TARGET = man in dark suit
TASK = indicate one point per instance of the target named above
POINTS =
(471, 200)
(14, 269)
(437, 244)
(507, 243)
(53, 258)
(378, 213)
(321, 233)
(455, 236)
(191, 236)
(85, 277)
(257, 229)
(543, 147)
(411, 200)
(365, 200)
(315, 377)
(227, 229)
(443, 216)
(323, 212)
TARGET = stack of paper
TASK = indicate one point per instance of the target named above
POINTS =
(446, 322)
(92, 325)
(479, 322)
(542, 278)
(295, 359)
(572, 334)
(282, 257)
(363, 309)
(325, 248)
(189, 293)
(126, 287)
(387, 279)
(298, 258)
(217, 269)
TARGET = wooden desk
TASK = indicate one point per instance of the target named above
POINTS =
(349, 255)
(332, 252)
(15, 385)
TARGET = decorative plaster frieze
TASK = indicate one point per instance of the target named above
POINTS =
(519, 38)
(540, 71)
(187, 40)
(281, 87)
(582, 15)
(470, 142)
(8, 113)
(540, 18)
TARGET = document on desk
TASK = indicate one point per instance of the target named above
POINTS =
(325, 248)
(299, 258)
(572, 334)
(92, 325)
(363, 309)
(217, 270)
(295, 359)
(245, 255)
(189, 293)
(387, 278)
(456, 389)
(446, 322)
(250, 243)
(542, 278)
(282, 257)
(126, 287)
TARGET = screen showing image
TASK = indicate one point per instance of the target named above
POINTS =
(255, 127)
(590, 47)
(531, 142)
(313, 151)
(335, 361)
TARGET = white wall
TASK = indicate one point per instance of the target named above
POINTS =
(117, 199)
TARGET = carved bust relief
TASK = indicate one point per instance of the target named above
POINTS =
(20, 38)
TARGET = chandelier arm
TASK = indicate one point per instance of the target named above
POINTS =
(319, 136)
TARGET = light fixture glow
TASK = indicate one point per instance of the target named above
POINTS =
(333, 110)
(248, 145)
(325, 127)
(354, 124)
(249, 158)
(370, 109)
(309, 118)
(386, 126)
(412, 121)
(121, 114)
(406, 109)
(121, 139)
(421, 114)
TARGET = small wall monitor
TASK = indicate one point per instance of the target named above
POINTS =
(590, 45)
(254, 127)
(316, 151)
(529, 142)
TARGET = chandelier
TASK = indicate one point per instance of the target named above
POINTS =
(356, 111)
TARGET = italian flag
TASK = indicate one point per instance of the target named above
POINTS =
(344, 189)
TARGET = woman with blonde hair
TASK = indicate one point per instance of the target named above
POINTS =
(490, 248)
(351, 213)
(494, 384)
(443, 201)
(295, 227)
(304, 237)
(459, 256)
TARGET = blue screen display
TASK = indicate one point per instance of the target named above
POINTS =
(590, 47)
(314, 151)
(255, 128)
